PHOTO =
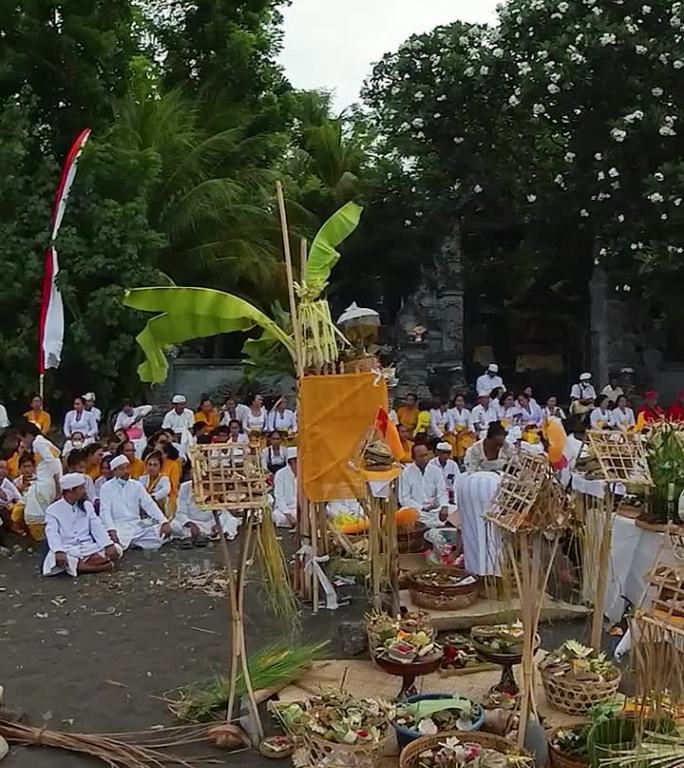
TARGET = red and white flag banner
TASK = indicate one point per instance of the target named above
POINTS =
(51, 328)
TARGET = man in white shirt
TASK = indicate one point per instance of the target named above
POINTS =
(285, 492)
(582, 396)
(422, 487)
(490, 380)
(448, 467)
(194, 524)
(281, 418)
(180, 419)
(77, 539)
(9, 496)
(612, 390)
(483, 414)
(89, 403)
(4, 419)
(122, 504)
(131, 421)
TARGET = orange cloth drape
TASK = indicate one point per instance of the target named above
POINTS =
(335, 415)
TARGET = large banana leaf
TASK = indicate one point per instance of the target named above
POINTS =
(323, 254)
(192, 313)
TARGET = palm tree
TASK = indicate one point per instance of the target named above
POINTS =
(212, 193)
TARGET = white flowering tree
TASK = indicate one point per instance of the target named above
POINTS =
(603, 82)
(565, 121)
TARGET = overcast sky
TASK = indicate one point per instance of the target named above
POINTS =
(332, 43)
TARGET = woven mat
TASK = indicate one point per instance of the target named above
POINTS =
(361, 678)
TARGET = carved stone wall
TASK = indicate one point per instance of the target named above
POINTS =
(432, 362)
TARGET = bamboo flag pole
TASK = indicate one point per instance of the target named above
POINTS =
(602, 575)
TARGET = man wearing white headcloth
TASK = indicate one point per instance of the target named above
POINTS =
(582, 396)
(448, 467)
(129, 513)
(285, 492)
(131, 421)
(77, 539)
(490, 380)
(422, 487)
(483, 414)
(89, 405)
(180, 419)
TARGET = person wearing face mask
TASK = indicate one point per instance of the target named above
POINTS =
(122, 503)
(80, 420)
(75, 443)
(77, 539)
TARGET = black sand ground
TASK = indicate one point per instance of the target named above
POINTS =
(94, 653)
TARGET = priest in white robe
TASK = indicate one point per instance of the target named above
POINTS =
(179, 419)
(490, 380)
(77, 539)
(285, 492)
(422, 487)
(483, 414)
(448, 467)
(122, 504)
(194, 525)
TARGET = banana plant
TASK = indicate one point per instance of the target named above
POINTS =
(192, 313)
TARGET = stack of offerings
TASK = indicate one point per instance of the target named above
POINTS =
(377, 456)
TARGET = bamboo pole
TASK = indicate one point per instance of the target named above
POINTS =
(602, 575)
(296, 330)
(526, 600)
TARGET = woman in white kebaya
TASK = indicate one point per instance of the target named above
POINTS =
(622, 416)
(601, 417)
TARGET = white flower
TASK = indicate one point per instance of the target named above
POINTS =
(407, 222)
(469, 71)
(664, 217)
(458, 139)
(554, 77)
(656, 197)
(657, 91)
(553, 88)
(419, 96)
(597, 11)
(646, 9)
(477, 189)
(634, 246)
(559, 179)
(419, 214)
(463, 40)
(442, 97)
(636, 115)
(498, 52)
(531, 198)
(626, 288)
(678, 64)
(618, 135)
(569, 157)
(658, 176)
(514, 101)
(584, 213)
(563, 7)
(641, 49)
(404, 127)
(678, 202)
(600, 175)
(621, 218)
(613, 173)
(524, 68)
(484, 70)
(420, 135)
(603, 252)
(598, 156)
(437, 115)
(666, 130)
(418, 122)
(608, 38)
(538, 109)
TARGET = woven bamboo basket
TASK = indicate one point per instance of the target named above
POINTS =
(315, 752)
(559, 759)
(442, 598)
(410, 756)
(578, 697)
(411, 538)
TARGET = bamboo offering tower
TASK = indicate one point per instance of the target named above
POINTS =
(531, 512)
(621, 458)
(328, 393)
(228, 478)
(658, 628)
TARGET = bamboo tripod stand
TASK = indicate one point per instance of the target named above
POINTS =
(230, 479)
